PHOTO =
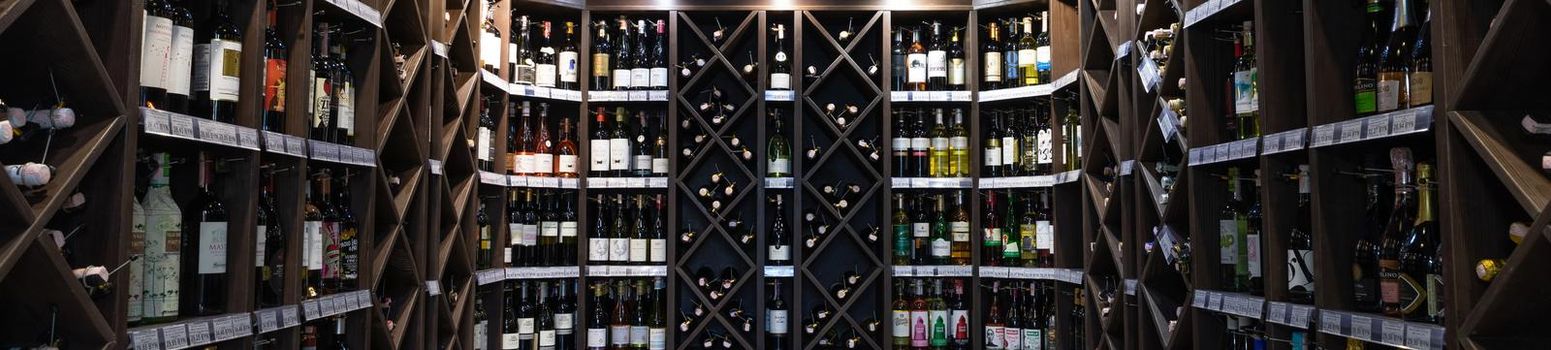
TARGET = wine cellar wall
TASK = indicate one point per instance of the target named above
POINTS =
(627, 174)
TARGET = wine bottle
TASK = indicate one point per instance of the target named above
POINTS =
(958, 229)
(312, 240)
(517, 230)
(599, 147)
(486, 254)
(776, 313)
(658, 58)
(622, 56)
(1420, 78)
(1231, 225)
(544, 319)
(779, 152)
(527, 316)
(660, 165)
(1400, 292)
(640, 332)
(1012, 145)
(619, 145)
(349, 237)
(996, 330)
(919, 317)
(936, 60)
(900, 332)
(565, 152)
(329, 247)
(567, 59)
(992, 166)
(568, 228)
(598, 241)
(656, 321)
(956, 62)
(1395, 60)
(991, 53)
(522, 144)
(549, 229)
(543, 158)
(897, 53)
(206, 286)
(489, 42)
(958, 317)
(602, 53)
(155, 53)
(179, 64)
(937, 314)
(484, 142)
(1045, 153)
(270, 243)
(958, 147)
(1300, 245)
(1420, 261)
(619, 325)
(939, 148)
(217, 69)
(900, 145)
(1071, 132)
(916, 61)
(779, 247)
(657, 238)
(1246, 88)
(1012, 74)
(524, 67)
(545, 64)
(276, 57)
(991, 242)
(1012, 333)
(511, 338)
(481, 325)
(781, 70)
(1365, 78)
(920, 146)
(597, 325)
(639, 243)
(322, 94)
(565, 314)
(344, 96)
(640, 70)
(921, 232)
(1042, 47)
(902, 235)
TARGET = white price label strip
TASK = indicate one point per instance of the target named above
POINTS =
(1362, 327)
(199, 332)
(1393, 332)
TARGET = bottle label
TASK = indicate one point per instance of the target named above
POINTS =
(1388, 96)
(659, 250)
(345, 104)
(639, 336)
(518, 239)
(638, 248)
(482, 335)
(921, 230)
(322, 102)
(1253, 254)
(600, 66)
(544, 75)
(490, 49)
(549, 229)
(660, 77)
(543, 164)
(212, 247)
(312, 245)
(568, 66)
(780, 252)
(780, 81)
(940, 248)
(526, 72)
(1009, 150)
(527, 164)
(1027, 58)
(641, 77)
(600, 154)
(1013, 338)
(958, 325)
(1042, 58)
(1389, 281)
(597, 337)
(1421, 93)
(482, 143)
(939, 336)
(619, 249)
(993, 67)
(1044, 235)
(956, 71)
(619, 151)
(918, 337)
(939, 144)
(993, 237)
(916, 72)
(936, 64)
(155, 51)
(563, 323)
(660, 166)
(511, 53)
(530, 234)
(1365, 92)
(1010, 248)
(901, 324)
(1046, 155)
(1010, 66)
(621, 79)
(1300, 271)
(217, 69)
(900, 144)
(598, 249)
(180, 62)
(1029, 233)
(1227, 239)
(330, 248)
(510, 341)
(567, 229)
(780, 166)
(658, 339)
(643, 162)
(993, 156)
(776, 321)
(1033, 339)
(1434, 295)
(958, 143)
(547, 338)
(994, 336)
(1244, 92)
(525, 327)
(567, 164)
(274, 84)
(959, 230)
(619, 336)
(260, 237)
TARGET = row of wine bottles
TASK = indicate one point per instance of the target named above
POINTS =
(626, 54)
(940, 235)
(1019, 142)
(196, 69)
(181, 275)
(624, 314)
(1021, 58)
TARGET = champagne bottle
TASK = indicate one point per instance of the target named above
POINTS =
(779, 246)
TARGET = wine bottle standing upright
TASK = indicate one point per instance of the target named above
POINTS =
(344, 100)
(658, 58)
(916, 61)
(510, 339)
(781, 70)
(217, 67)
(523, 65)
(276, 57)
(776, 317)
(597, 325)
(956, 63)
(991, 59)
(619, 145)
(180, 59)
(779, 250)
(565, 314)
(312, 241)
(322, 91)
(270, 245)
(567, 59)
(489, 42)
(155, 52)
(936, 60)
(623, 52)
(164, 231)
(602, 54)
(1042, 47)
(641, 70)
(1011, 71)
(897, 55)
(543, 153)
(545, 68)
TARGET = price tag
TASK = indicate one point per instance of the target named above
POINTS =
(1278, 313)
(778, 271)
(269, 320)
(919, 182)
(199, 332)
(940, 96)
(1393, 332)
(289, 317)
(657, 95)
(1419, 338)
(1293, 140)
(1351, 131)
(572, 183)
(1403, 121)
(175, 336)
(182, 126)
(638, 95)
(960, 96)
(311, 310)
(242, 325)
(904, 271)
(1224, 152)
(327, 306)
(1273, 144)
(659, 182)
(617, 182)
(145, 339)
(512, 273)
(221, 327)
(1195, 157)
(1324, 135)
(635, 182)
(1217, 301)
(1377, 126)
(433, 287)
(296, 146)
(362, 299)
(1362, 327)
(1257, 307)
(216, 132)
(1208, 154)
(899, 96)
(1299, 316)
(1330, 322)
(155, 122)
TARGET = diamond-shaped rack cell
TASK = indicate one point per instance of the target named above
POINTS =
(401, 161)
(732, 35)
(717, 98)
(724, 198)
(713, 259)
(407, 39)
(398, 289)
(46, 290)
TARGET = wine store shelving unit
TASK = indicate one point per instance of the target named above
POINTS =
(1148, 179)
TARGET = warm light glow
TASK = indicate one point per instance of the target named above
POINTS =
(783, 4)
(899, 4)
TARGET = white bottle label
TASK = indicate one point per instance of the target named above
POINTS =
(600, 154)
(958, 142)
(1033, 339)
(1227, 233)
(1014, 338)
(959, 230)
(993, 156)
(543, 164)
(641, 77)
(1253, 254)
(1300, 270)
(567, 229)
(936, 64)
(482, 335)
(212, 247)
(547, 338)
(954, 325)
(921, 230)
(901, 323)
(490, 49)
(1042, 58)
(217, 69)
(1027, 57)
(940, 248)
(564, 323)
(598, 249)
(530, 234)
(994, 337)
(638, 249)
(781, 166)
(510, 341)
(527, 164)
(920, 144)
(619, 151)
(482, 143)
(1009, 150)
(1388, 96)
(1045, 235)
(544, 75)
(660, 77)
(619, 249)
(345, 103)
(916, 64)
(525, 327)
(780, 253)
(619, 336)
(780, 81)
(568, 66)
(180, 61)
(155, 51)
(1244, 87)
(660, 166)
(1046, 156)
(659, 250)
(775, 320)
(549, 229)
(597, 337)
(621, 79)
(639, 335)
(567, 163)
(659, 339)
(993, 67)
(312, 245)
(260, 236)
(642, 162)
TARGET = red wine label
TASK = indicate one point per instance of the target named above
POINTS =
(274, 85)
